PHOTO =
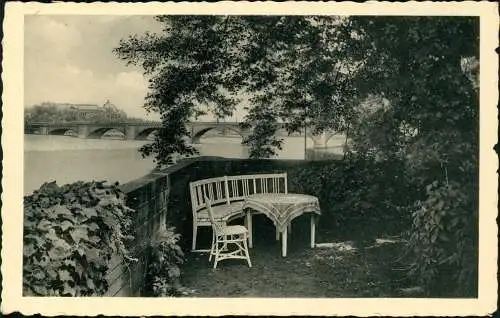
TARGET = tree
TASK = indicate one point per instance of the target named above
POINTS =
(294, 68)
(425, 71)
(404, 88)
(419, 60)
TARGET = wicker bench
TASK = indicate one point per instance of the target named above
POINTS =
(227, 195)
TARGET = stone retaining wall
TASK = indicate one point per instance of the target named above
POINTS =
(148, 196)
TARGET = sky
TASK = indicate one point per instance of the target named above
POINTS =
(69, 59)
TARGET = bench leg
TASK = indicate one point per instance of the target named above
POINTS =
(284, 239)
(313, 230)
(249, 227)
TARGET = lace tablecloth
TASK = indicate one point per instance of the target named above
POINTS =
(282, 208)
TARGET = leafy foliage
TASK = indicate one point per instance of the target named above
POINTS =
(419, 75)
(292, 68)
(70, 234)
(443, 240)
(165, 257)
(404, 89)
(414, 76)
(355, 193)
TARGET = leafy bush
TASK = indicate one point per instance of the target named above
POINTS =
(70, 234)
(443, 240)
(165, 257)
(355, 191)
(363, 196)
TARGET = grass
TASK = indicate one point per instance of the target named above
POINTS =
(336, 268)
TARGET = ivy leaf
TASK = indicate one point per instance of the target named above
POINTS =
(111, 222)
(89, 212)
(53, 292)
(28, 250)
(40, 290)
(44, 225)
(52, 274)
(60, 250)
(29, 224)
(65, 225)
(94, 239)
(69, 262)
(30, 237)
(43, 262)
(79, 233)
(65, 276)
(90, 283)
(52, 235)
(68, 290)
(80, 250)
(109, 200)
(39, 275)
(93, 255)
(60, 211)
(93, 227)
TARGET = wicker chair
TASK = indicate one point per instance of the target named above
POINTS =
(225, 237)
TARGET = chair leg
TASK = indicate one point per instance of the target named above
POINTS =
(212, 248)
(216, 253)
(247, 254)
(195, 230)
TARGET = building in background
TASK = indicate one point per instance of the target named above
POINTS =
(66, 112)
(87, 112)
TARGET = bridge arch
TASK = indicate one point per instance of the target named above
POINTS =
(196, 135)
(62, 131)
(145, 133)
(99, 132)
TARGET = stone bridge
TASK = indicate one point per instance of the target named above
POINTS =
(131, 131)
(198, 129)
(138, 131)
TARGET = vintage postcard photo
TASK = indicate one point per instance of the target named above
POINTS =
(250, 159)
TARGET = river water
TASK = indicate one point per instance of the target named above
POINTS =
(67, 159)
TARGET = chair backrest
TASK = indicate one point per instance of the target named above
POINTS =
(216, 226)
(213, 188)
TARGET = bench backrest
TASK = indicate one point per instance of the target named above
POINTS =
(227, 189)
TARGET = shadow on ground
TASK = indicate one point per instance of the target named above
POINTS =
(336, 268)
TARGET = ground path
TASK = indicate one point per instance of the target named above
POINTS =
(342, 269)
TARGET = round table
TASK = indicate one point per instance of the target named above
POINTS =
(282, 208)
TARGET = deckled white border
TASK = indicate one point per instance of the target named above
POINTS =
(12, 143)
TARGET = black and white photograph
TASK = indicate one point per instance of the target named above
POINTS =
(250, 158)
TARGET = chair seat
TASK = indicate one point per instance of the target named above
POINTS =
(221, 212)
(233, 230)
